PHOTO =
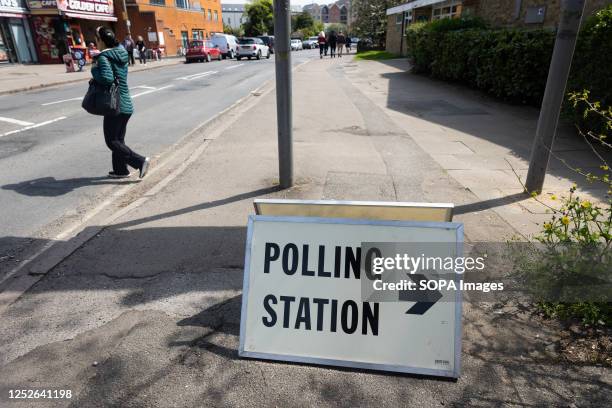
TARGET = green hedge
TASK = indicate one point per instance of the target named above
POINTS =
(511, 64)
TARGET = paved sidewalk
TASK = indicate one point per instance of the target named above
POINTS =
(17, 77)
(147, 312)
(481, 143)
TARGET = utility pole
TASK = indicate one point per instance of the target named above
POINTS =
(565, 43)
(284, 110)
(128, 23)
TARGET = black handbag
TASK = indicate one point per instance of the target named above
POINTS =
(101, 99)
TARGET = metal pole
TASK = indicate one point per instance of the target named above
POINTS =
(128, 23)
(284, 111)
(565, 43)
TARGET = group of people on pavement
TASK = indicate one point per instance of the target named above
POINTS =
(139, 45)
(334, 43)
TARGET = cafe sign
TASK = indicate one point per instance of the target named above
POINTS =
(88, 9)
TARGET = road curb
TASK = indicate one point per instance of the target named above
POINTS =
(22, 277)
(72, 81)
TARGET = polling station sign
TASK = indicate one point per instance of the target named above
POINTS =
(303, 300)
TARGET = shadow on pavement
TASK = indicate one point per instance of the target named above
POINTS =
(50, 187)
(474, 113)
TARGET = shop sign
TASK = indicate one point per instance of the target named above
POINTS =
(42, 4)
(99, 7)
(12, 6)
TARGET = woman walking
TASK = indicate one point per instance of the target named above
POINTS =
(332, 40)
(322, 43)
(109, 66)
(142, 50)
(341, 40)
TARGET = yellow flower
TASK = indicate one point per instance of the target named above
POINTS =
(565, 220)
(553, 197)
(605, 168)
(547, 226)
(585, 204)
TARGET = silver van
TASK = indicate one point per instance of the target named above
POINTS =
(228, 44)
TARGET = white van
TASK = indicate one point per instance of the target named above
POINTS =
(228, 44)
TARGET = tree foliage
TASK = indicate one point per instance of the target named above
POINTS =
(371, 19)
(260, 14)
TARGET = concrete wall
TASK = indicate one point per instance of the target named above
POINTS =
(393, 41)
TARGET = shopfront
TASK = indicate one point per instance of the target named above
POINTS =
(63, 26)
(16, 43)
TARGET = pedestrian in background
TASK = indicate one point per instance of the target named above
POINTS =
(128, 44)
(322, 44)
(142, 48)
(341, 42)
(93, 51)
(348, 44)
(112, 65)
(332, 40)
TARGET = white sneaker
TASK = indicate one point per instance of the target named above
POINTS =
(145, 167)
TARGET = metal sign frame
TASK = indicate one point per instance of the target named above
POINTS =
(454, 373)
(392, 205)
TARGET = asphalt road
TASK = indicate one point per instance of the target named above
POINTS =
(53, 160)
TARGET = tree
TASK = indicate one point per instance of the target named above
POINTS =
(371, 19)
(260, 14)
(303, 21)
(238, 32)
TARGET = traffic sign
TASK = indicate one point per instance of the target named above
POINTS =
(303, 299)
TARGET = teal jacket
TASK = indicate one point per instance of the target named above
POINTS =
(111, 63)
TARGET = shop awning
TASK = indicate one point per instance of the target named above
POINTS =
(86, 16)
(11, 15)
(412, 5)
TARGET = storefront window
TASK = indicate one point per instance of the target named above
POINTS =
(158, 2)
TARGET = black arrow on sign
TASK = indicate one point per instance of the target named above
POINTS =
(424, 299)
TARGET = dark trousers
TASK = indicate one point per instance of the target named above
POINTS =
(332, 50)
(114, 136)
(131, 55)
(142, 56)
(321, 49)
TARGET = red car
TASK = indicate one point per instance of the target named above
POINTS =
(202, 50)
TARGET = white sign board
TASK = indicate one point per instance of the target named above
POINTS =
(302, 298)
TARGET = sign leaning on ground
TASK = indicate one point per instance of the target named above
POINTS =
(303, 299)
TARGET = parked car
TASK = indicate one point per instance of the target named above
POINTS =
(228, 44)
(202, 50)
(311, 42)
(269, 41)
(296, 45)
(252, 47)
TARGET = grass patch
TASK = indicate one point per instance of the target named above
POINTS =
(376, 55)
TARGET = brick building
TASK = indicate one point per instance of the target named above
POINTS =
(170, 24)
(501, 13)
(338, 12)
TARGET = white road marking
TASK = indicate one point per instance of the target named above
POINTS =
(234, 66)
(15, 121)
(33, 126)
(196, 76)
(151, 91)
(62, 101)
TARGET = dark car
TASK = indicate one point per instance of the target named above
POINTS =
(202, 50)
(269, 41)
